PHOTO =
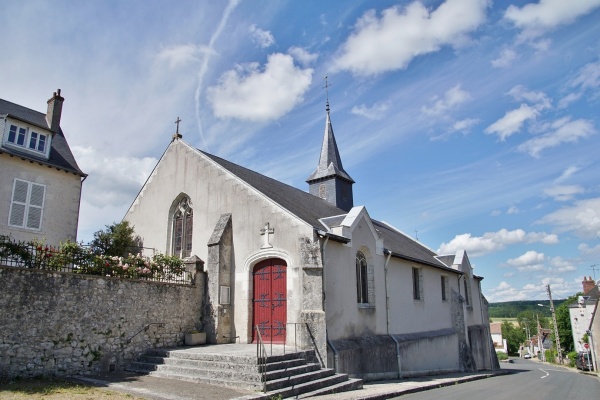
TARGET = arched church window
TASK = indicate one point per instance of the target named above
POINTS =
(183, 228)
(362, 284)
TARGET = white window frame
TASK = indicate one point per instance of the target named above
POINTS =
(27, 205)
(29, 133)
(365, 281)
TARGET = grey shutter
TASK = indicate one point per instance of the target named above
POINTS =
(19, 200)
(36, 203)
(20, 191)
(17, 214)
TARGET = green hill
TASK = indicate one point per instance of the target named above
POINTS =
(510, 309)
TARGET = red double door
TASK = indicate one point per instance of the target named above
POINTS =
(270, 300)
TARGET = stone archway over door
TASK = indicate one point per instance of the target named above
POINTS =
(270, 300)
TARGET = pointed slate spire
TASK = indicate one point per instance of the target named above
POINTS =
(330, 181)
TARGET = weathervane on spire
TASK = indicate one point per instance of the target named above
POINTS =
(177, 135)
(326, 87)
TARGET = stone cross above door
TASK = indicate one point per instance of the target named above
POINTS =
(266, 231)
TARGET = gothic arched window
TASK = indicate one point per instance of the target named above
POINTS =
(183, 227)
(362, 285)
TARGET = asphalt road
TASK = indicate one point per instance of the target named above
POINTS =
(528, 380)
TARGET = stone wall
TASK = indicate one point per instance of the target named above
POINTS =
(54, 323)
(376, 357)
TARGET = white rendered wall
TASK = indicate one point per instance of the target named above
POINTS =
(61, 205)
(346, 318)
(214, 192)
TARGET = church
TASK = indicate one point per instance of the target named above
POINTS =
(312, 269)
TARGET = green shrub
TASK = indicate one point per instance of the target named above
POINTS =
(502, 356)
(572, 356)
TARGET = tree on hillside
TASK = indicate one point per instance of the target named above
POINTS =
(529, 320)
(563, 320)
(117, 239)
(514, 337)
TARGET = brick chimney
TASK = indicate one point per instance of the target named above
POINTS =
(54, 111)
(588, 284)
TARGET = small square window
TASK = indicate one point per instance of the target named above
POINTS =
(33, 140)
(21, 137)
(12, 134)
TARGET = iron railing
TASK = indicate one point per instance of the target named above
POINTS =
(79, 259)
(261, 349)
(261, 358)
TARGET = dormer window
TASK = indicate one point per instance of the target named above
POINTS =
(28, 138)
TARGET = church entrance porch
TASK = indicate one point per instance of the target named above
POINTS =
(270, 300)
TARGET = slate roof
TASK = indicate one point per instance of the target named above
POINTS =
(330, 162)
(60, 154)
(311, 209)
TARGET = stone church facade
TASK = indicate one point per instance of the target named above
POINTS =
(377, 303)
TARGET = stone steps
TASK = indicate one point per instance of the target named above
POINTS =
(287, 375)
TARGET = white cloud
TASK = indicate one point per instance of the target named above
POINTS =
(494, 241)
(452, 98)
(568, 99)
(261, 38)
(560, 265)
(112, 180)
(513, 210)
(561, 131)
(512, 121)
(539, 99)
(303, 56)
(250, 93)
(505, 59)
(530, 261)
(464, 125)
(589, 252)
(567, 173)
(563, 192)
(390, 42)
(505, 292)
(183, 54)
(588, 76)
(534, 19)
(375, 112)
(583, 218)
(111, 186)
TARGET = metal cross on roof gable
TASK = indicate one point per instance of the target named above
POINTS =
(177, 121)
(177, 135)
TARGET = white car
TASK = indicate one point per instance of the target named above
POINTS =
(527, 356)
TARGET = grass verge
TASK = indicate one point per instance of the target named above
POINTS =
(54, 389)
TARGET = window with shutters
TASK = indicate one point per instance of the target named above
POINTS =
(27, 205)
(183, 219)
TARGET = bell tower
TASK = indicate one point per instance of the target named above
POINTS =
(330, 181)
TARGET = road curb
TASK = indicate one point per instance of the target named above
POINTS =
(428, 386)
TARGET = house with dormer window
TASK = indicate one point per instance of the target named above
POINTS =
(40, 181)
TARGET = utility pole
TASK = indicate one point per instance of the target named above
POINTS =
(540, 347)
(558, 349)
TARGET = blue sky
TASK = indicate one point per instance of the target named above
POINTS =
(466, 123)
